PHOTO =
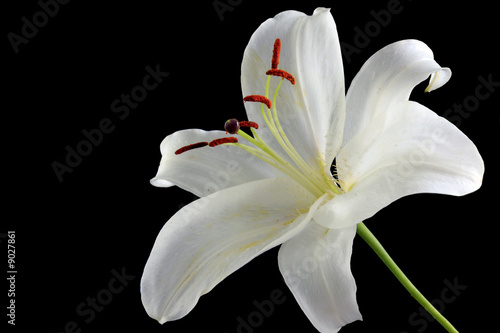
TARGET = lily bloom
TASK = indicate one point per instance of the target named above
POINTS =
(308, 165)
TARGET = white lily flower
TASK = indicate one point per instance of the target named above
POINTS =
(276, 187)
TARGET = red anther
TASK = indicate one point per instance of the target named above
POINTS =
(282, 73)
(191, 146)
(249, 124)
(221, 141)
(258, 98)
(276, 54)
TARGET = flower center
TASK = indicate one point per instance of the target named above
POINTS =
(317, 182)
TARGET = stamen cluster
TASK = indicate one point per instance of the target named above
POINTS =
(317, 182)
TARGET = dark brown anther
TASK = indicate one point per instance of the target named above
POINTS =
(276, 54)
(258, 98)
(281, 73)
(249, 124)
(190, 147)
(221, 141)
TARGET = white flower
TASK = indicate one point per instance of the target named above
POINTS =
(276, 187)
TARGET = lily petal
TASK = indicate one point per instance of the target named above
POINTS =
(316, 268)
(406, 150)
(207, 170)
(212, 237)
(312, 112)
(387, 78)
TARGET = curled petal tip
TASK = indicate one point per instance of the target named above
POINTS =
(438, 79)
(321, 10)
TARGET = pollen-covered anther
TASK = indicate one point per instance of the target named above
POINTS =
(190, 147)
(249, 124)
(276, 54)
(281, 73)
(222, 141)
(258, 98)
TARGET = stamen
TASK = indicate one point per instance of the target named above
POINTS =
(317, 182)
(258, 98)
(281, 73)
(222, 141)
(249, 124)
(191, 146)
(276, 54)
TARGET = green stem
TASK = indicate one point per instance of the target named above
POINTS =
(369, 238)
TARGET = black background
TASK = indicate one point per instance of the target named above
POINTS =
(105, 215)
